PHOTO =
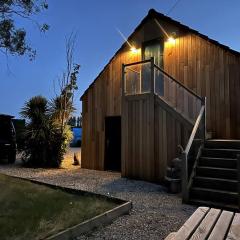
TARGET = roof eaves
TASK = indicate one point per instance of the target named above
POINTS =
(151, 14)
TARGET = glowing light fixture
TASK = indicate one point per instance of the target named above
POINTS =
(133, 50)
(171, 40)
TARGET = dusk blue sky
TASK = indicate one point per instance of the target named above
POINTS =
(95, 22)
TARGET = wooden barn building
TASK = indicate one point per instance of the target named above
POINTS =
(169, 85)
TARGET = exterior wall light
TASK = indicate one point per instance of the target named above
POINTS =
(133, 50)
(171, 40)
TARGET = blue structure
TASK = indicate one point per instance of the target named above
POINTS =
(77, 137)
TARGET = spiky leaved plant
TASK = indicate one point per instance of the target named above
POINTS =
(48, 133)
(45, 140)
(38, 131)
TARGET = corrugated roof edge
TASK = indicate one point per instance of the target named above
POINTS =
(152, 13)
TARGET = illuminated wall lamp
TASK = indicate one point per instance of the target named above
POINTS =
(171, 40)
(133, 50)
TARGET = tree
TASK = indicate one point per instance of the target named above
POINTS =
(45, 142)
(79, 121)
(62, 104)
(48, 134)
(13, 39)
(37, 131)
(72, 121)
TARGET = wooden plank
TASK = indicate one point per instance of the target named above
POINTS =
(159, 144)
(234, 231)
(199, 65)
(207, 224)
(156, 143)
(171, 236)
(220, 229)
(176, 115)
(164, 139)
(186, 231)
(141, 159)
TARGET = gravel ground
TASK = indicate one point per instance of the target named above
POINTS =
(154, 215)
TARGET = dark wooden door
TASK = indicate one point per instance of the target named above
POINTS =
(113, 143)
(155, 49)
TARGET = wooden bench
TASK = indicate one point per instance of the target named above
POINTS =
(211, 224)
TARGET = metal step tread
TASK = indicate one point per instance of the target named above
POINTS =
(214, 190)
(220, 205)
(217, 162)
(223, 140)
(218, 159)
(216, 179)
(217, 168)
(222, 149)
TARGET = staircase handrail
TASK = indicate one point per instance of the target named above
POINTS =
(136, 63)
(185, 154)
(179, 83)
(195, 128)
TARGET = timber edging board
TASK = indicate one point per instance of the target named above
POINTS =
(99, 220)
(90, 224)
(209, 223)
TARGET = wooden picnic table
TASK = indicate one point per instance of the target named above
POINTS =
(209, 223)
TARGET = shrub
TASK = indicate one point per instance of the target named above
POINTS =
(47, 133)
(45, 140)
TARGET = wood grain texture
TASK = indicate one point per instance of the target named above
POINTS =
(206, 226)
(204, 67)
(102, 99)
(211, 224)
(138, 137)
(220, 229)
(170, 131)
(189, 227)
(151, 135)
(234, 231)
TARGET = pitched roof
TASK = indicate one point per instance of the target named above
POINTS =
(152, 13)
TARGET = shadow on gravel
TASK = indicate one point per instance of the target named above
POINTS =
(127, 185)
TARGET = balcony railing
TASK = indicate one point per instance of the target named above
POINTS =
(146, 77)
(137, 78)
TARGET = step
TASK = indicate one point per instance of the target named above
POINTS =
(220, 153)
(216, 183)
(223, 143)
(225, 173)
(218, 162)
(225, 206)
(214, 195)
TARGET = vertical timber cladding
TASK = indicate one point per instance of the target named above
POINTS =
(201, 65)
(138, 137)
(170, 131)
(103, 98)
(151, 135)
(211, 71)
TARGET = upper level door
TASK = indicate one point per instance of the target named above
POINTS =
(154, 49)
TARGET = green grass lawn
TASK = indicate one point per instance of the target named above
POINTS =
(33, 211)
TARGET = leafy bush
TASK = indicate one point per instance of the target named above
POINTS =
(47, 133)
(45, 140)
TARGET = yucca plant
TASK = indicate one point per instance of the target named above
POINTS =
(45, 140)
(38, 131)
(48, 134)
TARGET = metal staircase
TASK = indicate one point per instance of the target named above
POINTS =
(210, 169)
(215, 182)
